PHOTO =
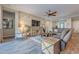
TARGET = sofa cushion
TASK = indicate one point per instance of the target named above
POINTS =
(58, 35)
(63, 44)
(55, 30)
(64, 32)
(60, 30)
(67, 37)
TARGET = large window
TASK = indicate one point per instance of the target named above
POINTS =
(61, 24)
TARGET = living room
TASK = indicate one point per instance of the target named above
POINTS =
(19, 23)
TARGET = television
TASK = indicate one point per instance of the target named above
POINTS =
(35, 23)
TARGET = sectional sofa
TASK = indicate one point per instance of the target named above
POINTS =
(64, 34)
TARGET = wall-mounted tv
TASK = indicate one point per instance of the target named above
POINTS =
(35, 23)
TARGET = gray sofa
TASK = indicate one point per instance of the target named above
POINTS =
(64, 34)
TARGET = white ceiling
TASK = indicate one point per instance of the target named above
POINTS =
(64, 10)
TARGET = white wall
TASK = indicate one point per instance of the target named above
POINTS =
(0, 17)
(16, 23)
(76, 26)
(48, 26)
(25, 17)
(54, 24)
(68, 23)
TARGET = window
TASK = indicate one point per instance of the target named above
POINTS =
(61, 24)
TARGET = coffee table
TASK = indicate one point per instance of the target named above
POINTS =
(51, 45)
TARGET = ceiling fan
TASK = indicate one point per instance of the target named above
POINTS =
(51, 13)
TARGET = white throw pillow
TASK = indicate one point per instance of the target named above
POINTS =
(56, 30)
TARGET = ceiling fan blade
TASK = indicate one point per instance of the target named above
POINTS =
(53, 15)
(46, 15)
(54, 12)
(50, 13)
